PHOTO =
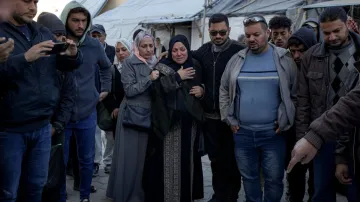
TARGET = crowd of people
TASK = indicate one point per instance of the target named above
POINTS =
(278, 100)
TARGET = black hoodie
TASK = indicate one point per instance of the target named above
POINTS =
(306, 36)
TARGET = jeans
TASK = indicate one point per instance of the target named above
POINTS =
(219, 145)
(265, 149)
(24, 154)
(84, 132)
(109, 147)
(324, 174)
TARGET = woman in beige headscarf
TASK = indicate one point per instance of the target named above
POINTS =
(137, 75)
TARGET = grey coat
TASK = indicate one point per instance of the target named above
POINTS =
(125, 181)
(287, 73)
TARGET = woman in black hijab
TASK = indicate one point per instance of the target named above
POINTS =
(173, 169)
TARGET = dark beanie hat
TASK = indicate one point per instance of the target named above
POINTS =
(306, 36)
(52, 22)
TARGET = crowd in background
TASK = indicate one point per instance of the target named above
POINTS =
(256, 106)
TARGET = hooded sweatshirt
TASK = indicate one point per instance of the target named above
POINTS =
(52, 22)
(319, 37)
(87, 95)
(306, 36)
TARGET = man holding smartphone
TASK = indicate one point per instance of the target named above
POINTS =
(28, 101)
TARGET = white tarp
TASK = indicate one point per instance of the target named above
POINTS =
(56, 6)
(123, 20)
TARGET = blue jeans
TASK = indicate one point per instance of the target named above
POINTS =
(265, 149)
(24, 154)
(324, 174)
(84, 132)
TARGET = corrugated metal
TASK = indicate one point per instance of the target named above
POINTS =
(334, 3)
(166, 21)
(235, 8)
(266, 7)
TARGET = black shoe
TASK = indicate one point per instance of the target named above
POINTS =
(213, 199)
(96, 170)
(107, 169)
(85, 200)
(93, 189)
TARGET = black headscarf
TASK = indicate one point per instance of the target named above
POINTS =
(170, 62)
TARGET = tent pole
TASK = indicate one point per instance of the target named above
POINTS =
(204, 20)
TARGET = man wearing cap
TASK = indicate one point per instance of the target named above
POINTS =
(257, 94)
(98, 32)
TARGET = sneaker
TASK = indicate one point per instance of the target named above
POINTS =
(96, 170)
(85, 200)
(107, 169)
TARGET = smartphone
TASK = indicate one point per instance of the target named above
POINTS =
(58, 48)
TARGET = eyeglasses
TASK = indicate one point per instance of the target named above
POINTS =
(221, 33)
(254, 19)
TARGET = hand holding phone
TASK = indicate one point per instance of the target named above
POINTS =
(58, 48)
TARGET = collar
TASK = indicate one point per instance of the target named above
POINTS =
(223, 47)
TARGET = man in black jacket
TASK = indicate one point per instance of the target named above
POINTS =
(67, 94)
(219, 143)
(298, 43)
(27, 105)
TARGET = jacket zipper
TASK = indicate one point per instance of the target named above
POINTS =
(354, 162)
(214, 74)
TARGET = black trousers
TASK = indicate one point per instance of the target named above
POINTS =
(219, 145)
(296, 180)
(73, 164)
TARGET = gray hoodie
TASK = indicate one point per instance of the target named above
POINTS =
(95, 59)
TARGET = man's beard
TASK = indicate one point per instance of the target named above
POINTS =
(20, 20)
(71, 33)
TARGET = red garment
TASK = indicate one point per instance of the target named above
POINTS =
(352, 25)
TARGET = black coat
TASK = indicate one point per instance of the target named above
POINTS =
(30, 90)
(166, 91)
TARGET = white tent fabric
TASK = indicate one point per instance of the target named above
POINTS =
(124, 20)
(56, 6)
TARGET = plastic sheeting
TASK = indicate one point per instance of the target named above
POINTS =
(244, 7)
(124, 20)
(56, 6)
(334, 3)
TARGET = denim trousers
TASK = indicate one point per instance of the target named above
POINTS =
(265, 149)
(24, 154)
(84, 132)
